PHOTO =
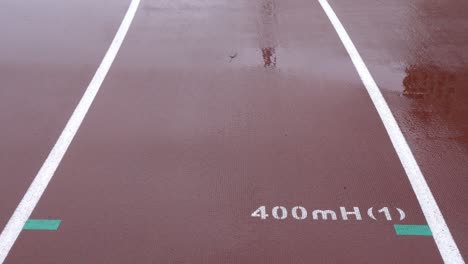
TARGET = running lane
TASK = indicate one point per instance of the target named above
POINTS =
(48, 54)
(417, 52)
(211, 111)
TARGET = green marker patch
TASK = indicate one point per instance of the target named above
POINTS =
(42, 224)
(413, 230)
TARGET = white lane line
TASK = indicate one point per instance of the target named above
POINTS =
(14, 226)
(441, 233)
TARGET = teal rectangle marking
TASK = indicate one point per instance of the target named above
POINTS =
(42, 224)
(413, 230)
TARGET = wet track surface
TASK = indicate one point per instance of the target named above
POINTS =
(48, 54)
(422, 69)
(214, 109)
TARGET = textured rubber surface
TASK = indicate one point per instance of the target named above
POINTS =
(214, 109)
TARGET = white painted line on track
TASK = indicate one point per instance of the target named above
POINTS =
(14, 226)
(440, 231)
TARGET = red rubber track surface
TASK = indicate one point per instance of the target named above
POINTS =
(215, 108)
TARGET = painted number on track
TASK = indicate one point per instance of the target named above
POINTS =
(343, 213)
